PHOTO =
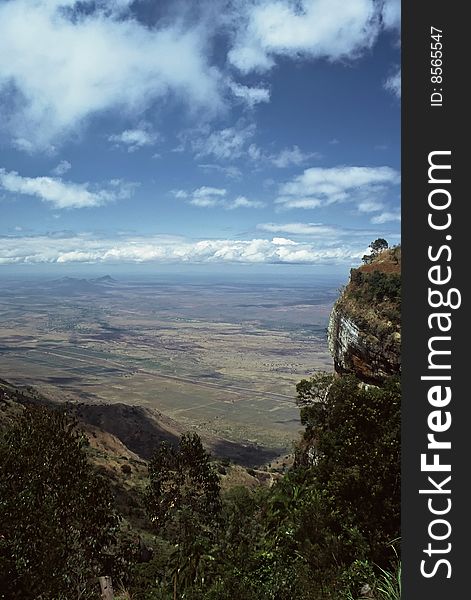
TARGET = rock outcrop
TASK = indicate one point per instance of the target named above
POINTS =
(357, 350)
(364, 331)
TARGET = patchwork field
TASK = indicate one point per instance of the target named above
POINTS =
(219, 357)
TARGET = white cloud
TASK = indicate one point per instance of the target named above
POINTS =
(205, 190)
(250, 95)
(368, 206)
(134, 139)
(323, 235)
(76, 248)
(21, 143)
(316, 229)
(332, 29)
(233, 143)
(386, 217)
(61, 168)
(391, 14)
(205, 202)
(292, 156)
(231, 171)
(223, 144)
(288, 202)
(61, 66)
(279, 241)
(207, 197)
(323, 186)
(393, 83)
(57, 71)
(62, 194)
(180, 194)
(243, 202)
(254, 153)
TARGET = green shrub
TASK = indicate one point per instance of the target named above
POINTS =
(57, 522)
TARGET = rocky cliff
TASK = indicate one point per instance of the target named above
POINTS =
(364, 330)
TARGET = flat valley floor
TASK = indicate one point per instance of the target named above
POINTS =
(221, 357)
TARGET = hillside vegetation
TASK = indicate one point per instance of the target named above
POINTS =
(374, 292)
(77, 503)
(365, 324)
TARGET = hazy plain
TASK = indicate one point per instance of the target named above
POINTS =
(221, 356)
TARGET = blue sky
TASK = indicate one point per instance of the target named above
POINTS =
(244, 132)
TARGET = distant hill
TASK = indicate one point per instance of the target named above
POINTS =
(106, 279)
(71, 285)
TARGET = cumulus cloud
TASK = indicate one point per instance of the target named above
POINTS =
(393, 83)
(283, 241)
(316, 229)
(288, 202)
(234, 143)
(180, 194)
(254, 153)
(134, 139)
(207, 197)
(386, 217)
(63, 62)
(223, 144)
(250, 95)
(58, 67)
(243, 202)
(391, 14)
(63, 194)
(331, 29)
(292, 156)
(85, 248)
(61, 168)
(368, 206)
(328, 235)
(318, 186)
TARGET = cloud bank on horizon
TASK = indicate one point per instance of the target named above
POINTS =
(203, 121)
(63, 248)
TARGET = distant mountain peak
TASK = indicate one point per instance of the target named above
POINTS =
(104, 279)
(74, 285)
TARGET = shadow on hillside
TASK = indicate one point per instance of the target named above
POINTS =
(135, 426)
(247, 455)
(142, 429)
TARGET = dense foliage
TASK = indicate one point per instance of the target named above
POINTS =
(319, 533)
(376, 286)
(323, 531)
(57, 523)
(356, 436)
(184, 504)
(373, 297)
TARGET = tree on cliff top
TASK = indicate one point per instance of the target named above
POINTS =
(379, 245)
(376, 247)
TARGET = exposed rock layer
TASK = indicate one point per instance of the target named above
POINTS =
(364, 332)
(355, 349)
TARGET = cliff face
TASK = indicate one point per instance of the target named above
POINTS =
(357, 350)
(364, 330)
